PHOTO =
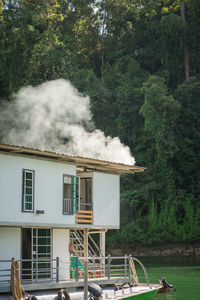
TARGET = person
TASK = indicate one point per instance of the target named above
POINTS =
(166, 287)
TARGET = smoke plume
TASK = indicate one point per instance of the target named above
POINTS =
(54, 116)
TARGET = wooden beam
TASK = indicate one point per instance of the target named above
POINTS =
(84, 216)
(86, 211)
(84, 221)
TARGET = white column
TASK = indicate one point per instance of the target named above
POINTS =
(103, 243)
(103, 249)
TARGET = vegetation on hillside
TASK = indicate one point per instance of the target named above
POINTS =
(139, 62)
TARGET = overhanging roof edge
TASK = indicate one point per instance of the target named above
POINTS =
(92, 163)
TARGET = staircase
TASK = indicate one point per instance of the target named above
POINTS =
(77, 240)
(84, 217)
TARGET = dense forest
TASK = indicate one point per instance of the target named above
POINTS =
(139, 61)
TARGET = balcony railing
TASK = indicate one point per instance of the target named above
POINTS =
(67, 206)
(95, 267)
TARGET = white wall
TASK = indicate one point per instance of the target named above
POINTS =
(61, 250)
(10, 246)
(10, 243)
(106, 197)
(48, 191)
(48, 194)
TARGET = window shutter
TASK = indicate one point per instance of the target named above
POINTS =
(74, 194)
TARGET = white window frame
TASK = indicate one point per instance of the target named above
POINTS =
(24, 186)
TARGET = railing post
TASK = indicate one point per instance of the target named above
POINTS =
(125, 266)
(76, 268)
(57, 269)
(129, 268)
(85, 279)
(109, 266)
(93, 267)
(36, 263)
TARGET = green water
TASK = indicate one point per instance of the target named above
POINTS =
(182, 272)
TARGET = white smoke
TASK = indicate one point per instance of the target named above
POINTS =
(54, 116)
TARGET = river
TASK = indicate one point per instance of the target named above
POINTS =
(182, 272)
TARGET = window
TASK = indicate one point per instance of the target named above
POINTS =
(86, 193)
(27, 192)
(70, 194)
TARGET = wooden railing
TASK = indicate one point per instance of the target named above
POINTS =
(84, 217)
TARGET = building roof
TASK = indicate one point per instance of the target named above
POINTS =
(82, 163)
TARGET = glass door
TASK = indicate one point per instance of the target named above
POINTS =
(41, 253)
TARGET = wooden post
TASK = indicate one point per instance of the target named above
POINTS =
(102, 243)
(85, 279)
(103, 251)
(85, 264)
(85, 243)
(134, 273)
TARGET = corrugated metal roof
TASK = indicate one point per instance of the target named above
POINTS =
(81, 162)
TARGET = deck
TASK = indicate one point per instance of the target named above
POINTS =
(68, 284)
(104, 271)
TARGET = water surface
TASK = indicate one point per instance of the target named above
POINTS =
(182, 272)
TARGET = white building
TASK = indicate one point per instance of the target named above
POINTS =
(45, 195)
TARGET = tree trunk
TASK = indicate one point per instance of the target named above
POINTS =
(186, 54)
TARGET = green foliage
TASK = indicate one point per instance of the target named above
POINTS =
(128, 56)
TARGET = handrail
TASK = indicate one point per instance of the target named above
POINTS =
(108, 269)
(144, 269)
(87, 204)
(122, 257)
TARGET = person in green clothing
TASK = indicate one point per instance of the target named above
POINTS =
(73, 267)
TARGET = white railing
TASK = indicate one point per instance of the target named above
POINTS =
(67, 206)
(78, 268)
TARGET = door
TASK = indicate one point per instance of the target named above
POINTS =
(26, 253)
(36, 253)
(86, 194)
(41, 253)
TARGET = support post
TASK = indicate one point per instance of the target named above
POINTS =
(57, 269)
(109, 266)
(85, 279)
(125, 266)
(129, 268)
(76, 268)
(85, 243)
(85, 264)
(103, 251)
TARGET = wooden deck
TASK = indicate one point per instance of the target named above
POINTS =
(71, 283)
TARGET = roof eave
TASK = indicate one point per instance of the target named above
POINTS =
(89, 163)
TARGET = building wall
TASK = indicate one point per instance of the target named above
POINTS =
(48, 194)
(48, 191)
(106, 199)
(10, 247)
(61, 250)
(10, 243)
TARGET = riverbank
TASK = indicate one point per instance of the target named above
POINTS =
(170, 249)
